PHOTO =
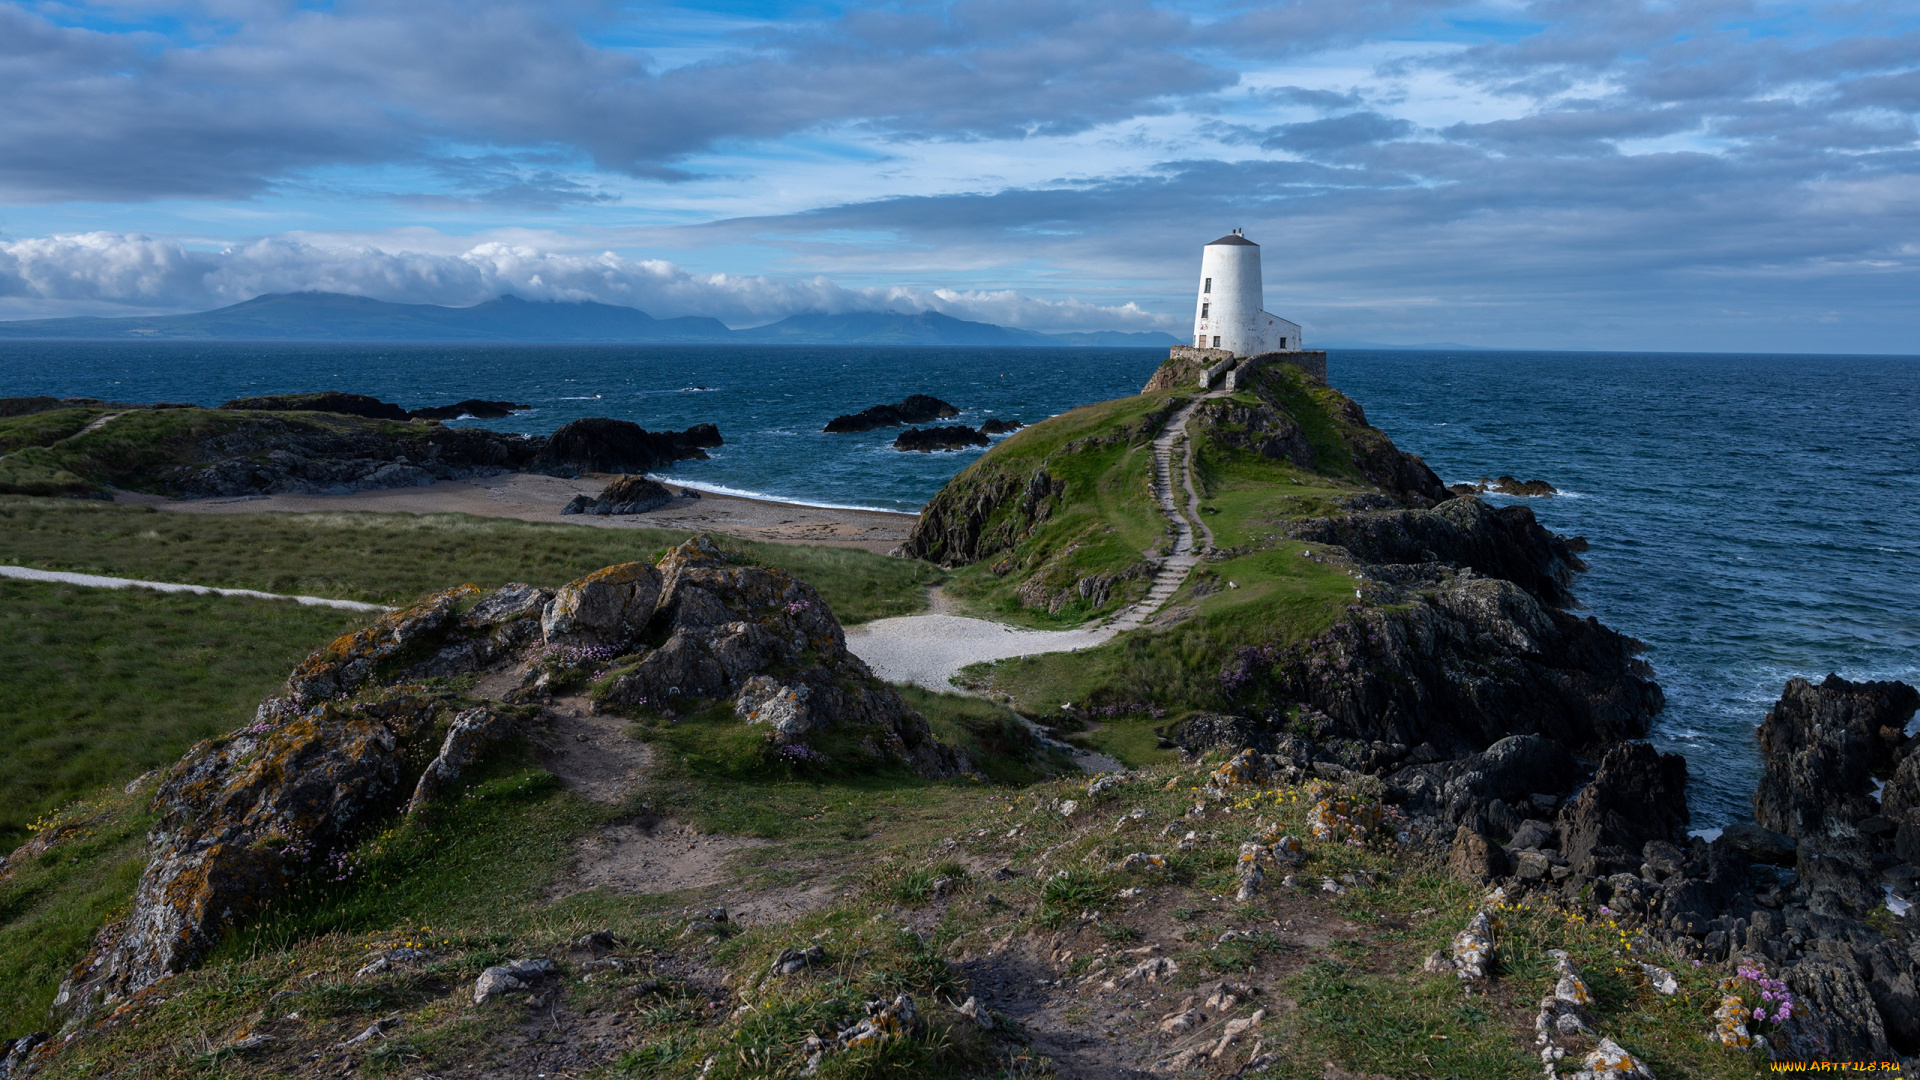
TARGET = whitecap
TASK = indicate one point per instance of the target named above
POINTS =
(1709, 835)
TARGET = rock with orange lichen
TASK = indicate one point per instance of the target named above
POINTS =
(239, 818)
(607, 607)
(384, 646)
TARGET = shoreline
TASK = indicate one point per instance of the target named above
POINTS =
(537, 497)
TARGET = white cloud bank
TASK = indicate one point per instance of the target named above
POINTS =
(113, 273)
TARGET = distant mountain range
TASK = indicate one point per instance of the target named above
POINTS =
(321, 316)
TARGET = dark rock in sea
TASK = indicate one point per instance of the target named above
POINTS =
(332, 401)
(1506, 485)
(997, 426)
(915, 409)
(601, 445)
(1638, 795)
(627, 495)
(473, 407)
(927, 440)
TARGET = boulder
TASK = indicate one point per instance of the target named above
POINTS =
(914, 409)
(1481, 791)
(472, 733)
(928, 440)
(626, 495)
(609, 607)
(239, 817)
(1637, 795)
(1758, 844)
(1474, 858)
(997, 426)
(598, 444)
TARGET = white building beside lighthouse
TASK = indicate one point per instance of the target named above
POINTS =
(1227, 314)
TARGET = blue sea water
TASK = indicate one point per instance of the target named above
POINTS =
(1751, 518)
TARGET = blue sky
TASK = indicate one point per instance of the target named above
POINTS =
(1717, 175)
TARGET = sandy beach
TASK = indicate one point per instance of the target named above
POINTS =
(532, 497)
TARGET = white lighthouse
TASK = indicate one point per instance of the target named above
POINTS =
(1227, 315)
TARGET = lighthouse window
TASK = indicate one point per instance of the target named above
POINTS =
(1203, 310)
(1216, 341)
(1208, 287)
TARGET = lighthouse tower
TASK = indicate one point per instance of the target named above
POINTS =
(1227, 314)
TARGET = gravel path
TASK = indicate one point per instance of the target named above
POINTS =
(929, 650)
(94, 581)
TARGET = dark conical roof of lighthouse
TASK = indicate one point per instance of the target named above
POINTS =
(1234, 238)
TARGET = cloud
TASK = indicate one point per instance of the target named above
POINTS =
(94, 272)
(93, 115)
(1336, 133)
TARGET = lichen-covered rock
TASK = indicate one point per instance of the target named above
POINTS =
(470, 735)
(611, 606)
(497, 628)
(384, 646)
(765, 641)
(1472, 949)
(238, 818)
(517, 977)
(1611, 1061)
(1564, 1012)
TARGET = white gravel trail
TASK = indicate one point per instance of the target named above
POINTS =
(929, 650)
(94, 581)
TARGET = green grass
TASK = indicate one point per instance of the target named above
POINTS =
(1107, 520)
(100, 685)
(43, 428)
(395, 558)
(51, 904)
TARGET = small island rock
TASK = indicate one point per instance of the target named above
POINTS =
(927, 440)
(915, 409)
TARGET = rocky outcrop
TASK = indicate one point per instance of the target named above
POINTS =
(333, 401)
(1458, 667)
(1638, 796)
(303, 455)
(601, 445)
(914, 409)
(356, 736)
(609, 607)
(997, 426)
(927, 440)
(1506, 485)
(627, 495)
(1505, 543)
(766, 642)
(1516, 779)
(1256, 429)
(239, 818)
(1823, 746)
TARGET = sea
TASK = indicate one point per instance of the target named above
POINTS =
(1750, 517)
